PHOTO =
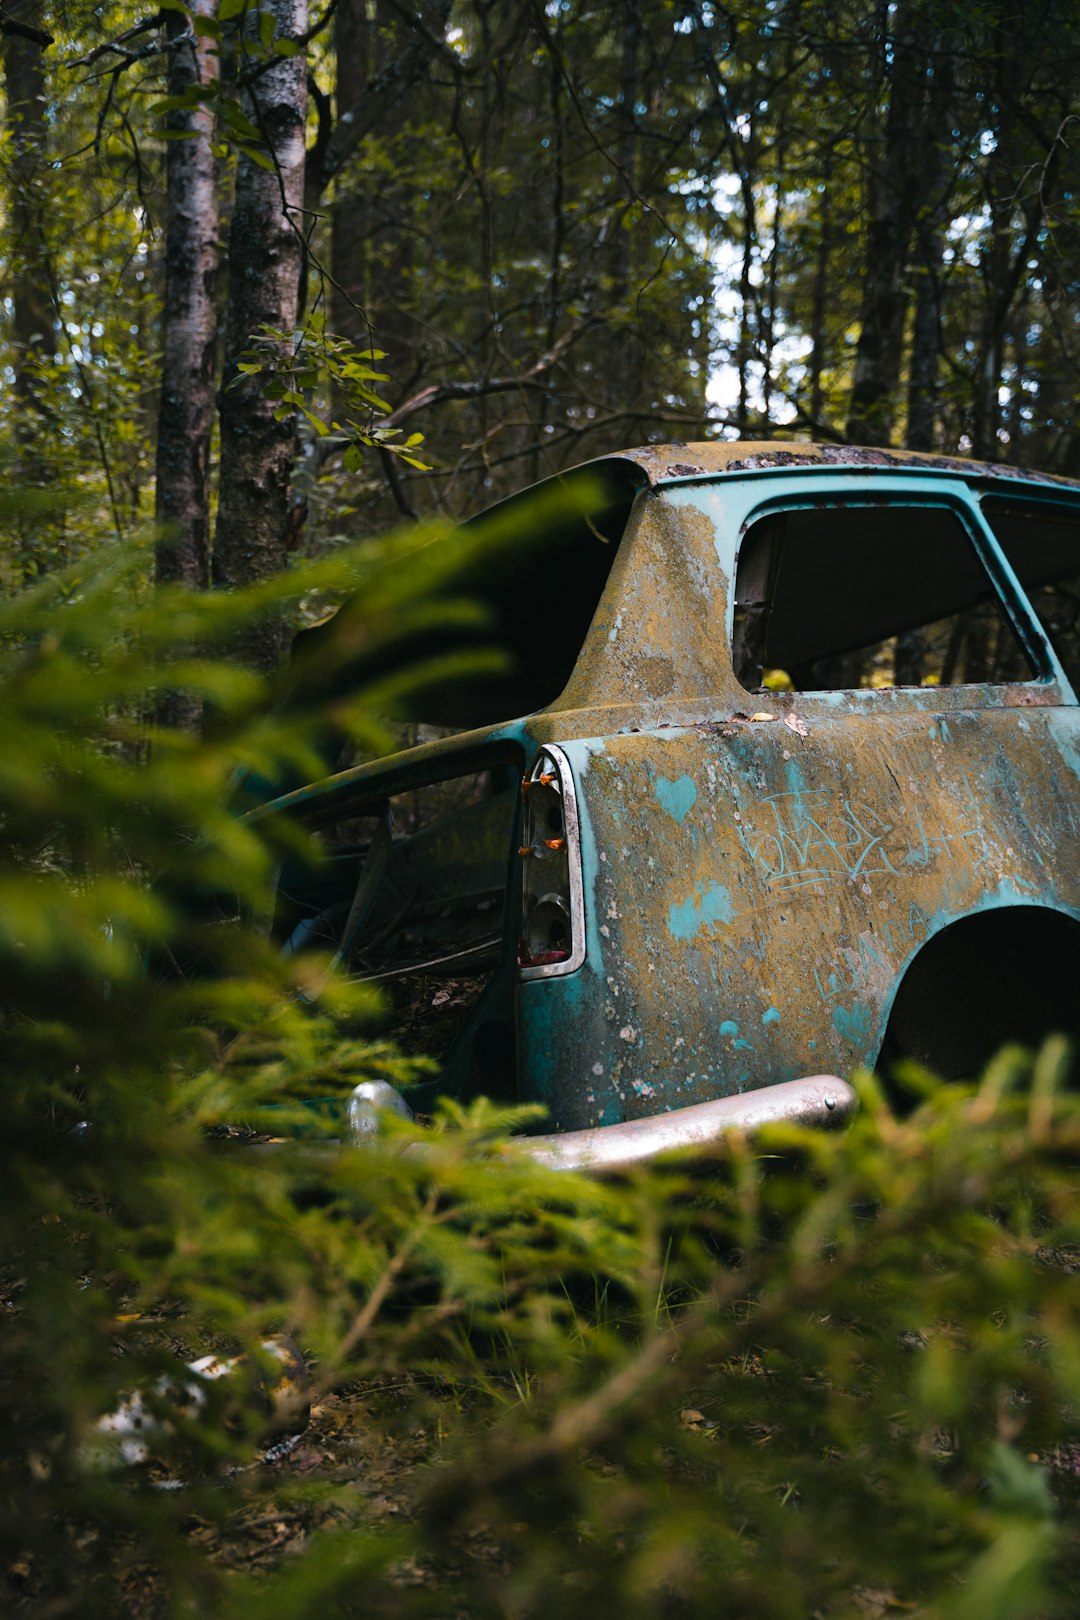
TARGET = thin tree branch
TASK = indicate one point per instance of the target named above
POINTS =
(116, 46)
(437, 393)
(19, 30)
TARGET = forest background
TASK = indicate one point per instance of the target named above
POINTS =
(561, 228)
(275, 281)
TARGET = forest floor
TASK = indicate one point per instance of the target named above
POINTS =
(364, 1460)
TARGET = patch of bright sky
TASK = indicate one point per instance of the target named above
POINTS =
(964, 236)
(789, 348)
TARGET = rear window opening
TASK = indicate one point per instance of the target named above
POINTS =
(537, 594)
(412, 897)
(846, 597)
(1042, 544)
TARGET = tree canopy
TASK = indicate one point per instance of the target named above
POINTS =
(529, 233)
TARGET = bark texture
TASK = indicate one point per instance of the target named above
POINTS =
(186, 411)
(265, 252)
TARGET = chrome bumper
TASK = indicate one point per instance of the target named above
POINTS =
(820, 1100)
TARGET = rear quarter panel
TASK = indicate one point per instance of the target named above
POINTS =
(756, 888)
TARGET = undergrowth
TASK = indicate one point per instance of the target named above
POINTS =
(813, 1374)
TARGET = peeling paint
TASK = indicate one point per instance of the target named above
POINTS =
(677, 798)
(709, 904)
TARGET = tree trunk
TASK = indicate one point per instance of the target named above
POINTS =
(29, 284)
(821, 275)
(745, 350)
(189, 334)
(925, 341)
(264, 281)
(371, 293)
(930, 236)
(349, 225)
(892, 204)
(767, 316)
(189, 317)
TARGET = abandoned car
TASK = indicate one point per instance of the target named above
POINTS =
(790, 784)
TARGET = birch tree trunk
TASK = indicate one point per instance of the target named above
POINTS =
(186, 410)
(265, 251)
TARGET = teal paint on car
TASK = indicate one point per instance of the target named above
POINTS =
(796, 754)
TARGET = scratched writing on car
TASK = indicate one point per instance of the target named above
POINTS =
(820, 835)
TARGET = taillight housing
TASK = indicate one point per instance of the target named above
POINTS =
(552, 909)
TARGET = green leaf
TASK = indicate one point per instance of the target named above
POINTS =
(252, 153)
(372, 399)
(1018, 1486)
(190, 98)
(316, 421)
(237, 119)
(286, 47)
(364, 373)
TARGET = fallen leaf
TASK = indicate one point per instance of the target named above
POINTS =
(793, 723)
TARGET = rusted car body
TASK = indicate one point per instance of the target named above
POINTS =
(794, 787)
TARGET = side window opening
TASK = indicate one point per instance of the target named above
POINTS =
(411, 897)
(1042, 544)
(842, 597)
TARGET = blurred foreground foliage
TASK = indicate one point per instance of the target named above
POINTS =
(817, 1375)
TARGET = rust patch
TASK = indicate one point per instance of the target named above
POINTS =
(661, 461)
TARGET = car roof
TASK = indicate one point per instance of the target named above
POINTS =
(668, 463)
(521, 588)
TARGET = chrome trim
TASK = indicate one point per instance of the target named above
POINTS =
(572, 829)
(481, 953)
(819, 1100)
